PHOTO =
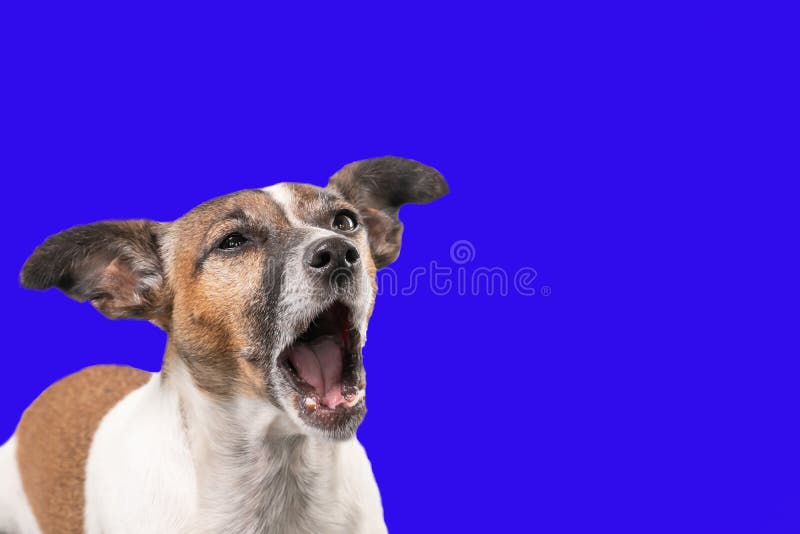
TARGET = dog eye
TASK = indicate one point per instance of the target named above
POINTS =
(232, 241)
(345, 221)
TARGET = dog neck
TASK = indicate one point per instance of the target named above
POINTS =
(256, 472)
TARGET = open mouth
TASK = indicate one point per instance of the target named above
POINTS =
(323, 365)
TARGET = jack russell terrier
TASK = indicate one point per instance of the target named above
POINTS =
(250, 426)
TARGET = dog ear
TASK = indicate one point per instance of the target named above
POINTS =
(114, 264)
(378, 187)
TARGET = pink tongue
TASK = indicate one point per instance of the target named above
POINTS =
(320, 365)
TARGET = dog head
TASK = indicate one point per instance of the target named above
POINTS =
(263, 293)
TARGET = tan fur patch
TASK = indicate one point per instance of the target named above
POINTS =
(208, 308)
(54, 437)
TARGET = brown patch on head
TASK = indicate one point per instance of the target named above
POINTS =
(307, 199)
(215, 291)
(315, 205)
(54, 437)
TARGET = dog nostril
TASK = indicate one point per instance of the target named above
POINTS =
(351, 256)
(320, 259)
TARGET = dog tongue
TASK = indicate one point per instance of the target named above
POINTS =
(319, 363)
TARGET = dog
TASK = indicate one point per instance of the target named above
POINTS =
(249, 427)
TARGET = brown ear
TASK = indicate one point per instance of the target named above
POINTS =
(378, 187)
(115, 265)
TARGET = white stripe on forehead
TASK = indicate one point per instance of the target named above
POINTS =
(283, 196)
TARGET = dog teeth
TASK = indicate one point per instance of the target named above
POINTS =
(354, 398)
(310, 404)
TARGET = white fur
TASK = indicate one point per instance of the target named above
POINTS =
(281, 194)
(140, 477)
(169, 459)
(16, 516)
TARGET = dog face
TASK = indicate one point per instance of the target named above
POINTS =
(265, 294)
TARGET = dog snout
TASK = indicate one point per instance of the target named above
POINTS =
(332, 255)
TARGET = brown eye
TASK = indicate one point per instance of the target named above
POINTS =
(233, 241)
(345, 221)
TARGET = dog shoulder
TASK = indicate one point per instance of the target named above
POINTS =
(54, 437)
(140, 469)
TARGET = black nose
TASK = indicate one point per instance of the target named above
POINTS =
(332, 254)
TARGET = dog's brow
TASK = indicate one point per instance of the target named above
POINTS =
(237, 215)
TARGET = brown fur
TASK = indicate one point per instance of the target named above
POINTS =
(208, 311)
(54, 437)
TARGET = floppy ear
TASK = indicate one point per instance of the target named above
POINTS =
(115, 265)
(378, 187)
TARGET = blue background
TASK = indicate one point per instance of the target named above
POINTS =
(640, 159)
